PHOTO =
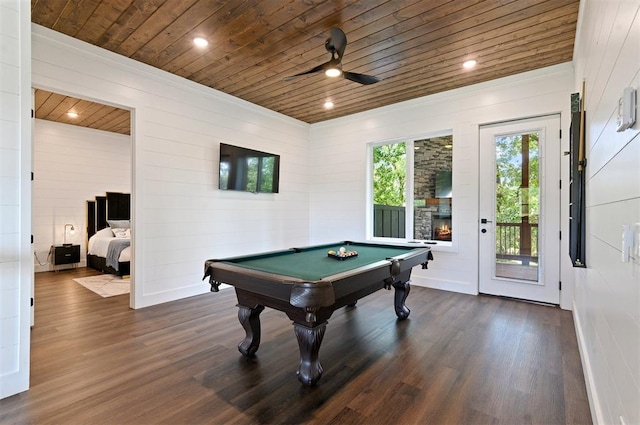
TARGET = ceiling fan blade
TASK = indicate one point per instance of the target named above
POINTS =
(360, 78)
(337, 42)
(311, 71)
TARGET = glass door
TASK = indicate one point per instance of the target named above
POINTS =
(519, 209)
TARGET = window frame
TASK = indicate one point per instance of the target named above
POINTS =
(409, 193)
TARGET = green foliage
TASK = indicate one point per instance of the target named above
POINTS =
(259, 168)
(266, 182)
(252, 174)
(389, 174)
(509, 193)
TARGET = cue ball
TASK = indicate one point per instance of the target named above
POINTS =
(342, 250)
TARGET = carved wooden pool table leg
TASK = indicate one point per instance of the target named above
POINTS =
(250, 320)
(401, 294)
(309, 340)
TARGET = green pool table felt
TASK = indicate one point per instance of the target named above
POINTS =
(313, 264)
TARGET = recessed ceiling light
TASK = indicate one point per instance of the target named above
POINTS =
(200, 42)
(72, 114)
(448, 146)
(328, 104)
(333, 72)
(469, 64)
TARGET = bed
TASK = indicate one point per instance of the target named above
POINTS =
(109, 234)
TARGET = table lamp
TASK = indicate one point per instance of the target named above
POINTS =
(71, 230)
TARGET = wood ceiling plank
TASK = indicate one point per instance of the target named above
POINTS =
(123, 126)
(119, 122)
(423, 52)
(94, 114)
(461, 48)
(200, 20)
(184, 23)
(51, 103)
(416, 90)
(47, 12)
(283, 45)
(224, 55)
(225, 39)
(295, 58)
(73, 17)
(390, 32)
(41, 96)
(423, 85)
(135, 15)
(102, 19)
(491, 74)
(59, 114)
(90, 112)
(454, 58)
(54, 107)
(446, 70)
(152, 27)
(413, 44)
(105, 119)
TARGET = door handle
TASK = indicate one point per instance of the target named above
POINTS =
(485, 221)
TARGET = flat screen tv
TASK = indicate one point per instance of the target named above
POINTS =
(248, 170)
(443, 184)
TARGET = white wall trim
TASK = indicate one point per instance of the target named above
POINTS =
(592, 391)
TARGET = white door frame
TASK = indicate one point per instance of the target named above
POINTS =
(547, 288)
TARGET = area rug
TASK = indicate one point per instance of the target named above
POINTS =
(105, 285)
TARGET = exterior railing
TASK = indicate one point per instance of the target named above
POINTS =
(517, 241)
(388, 221)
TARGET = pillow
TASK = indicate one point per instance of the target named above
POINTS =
(104, 233)
(119, 224)
(122, 233)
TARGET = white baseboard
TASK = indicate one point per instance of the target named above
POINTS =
(592, 393)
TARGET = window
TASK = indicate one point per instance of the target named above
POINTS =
(416, 173)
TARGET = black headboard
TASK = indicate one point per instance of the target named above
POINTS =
(113, 206)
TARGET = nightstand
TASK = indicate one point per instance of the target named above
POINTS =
(65, 254)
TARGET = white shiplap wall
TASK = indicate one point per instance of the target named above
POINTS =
(339, 167)
(72, 165)
(607, 292)
(16, 272)
(180, 218)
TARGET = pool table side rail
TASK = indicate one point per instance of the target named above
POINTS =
(288, 288)
(243, 272)
(266, 283)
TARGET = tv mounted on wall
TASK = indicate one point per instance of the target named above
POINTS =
(248, 170)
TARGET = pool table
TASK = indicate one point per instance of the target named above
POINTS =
(308, 285)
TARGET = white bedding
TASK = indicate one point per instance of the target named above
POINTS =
(99, 243)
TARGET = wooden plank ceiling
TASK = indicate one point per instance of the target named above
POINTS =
(416, 47)
(56, 107)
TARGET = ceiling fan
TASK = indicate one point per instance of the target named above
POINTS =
(336, 45)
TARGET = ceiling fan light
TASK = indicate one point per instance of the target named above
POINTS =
(333, 72)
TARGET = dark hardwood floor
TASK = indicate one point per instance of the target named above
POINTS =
(458, 359)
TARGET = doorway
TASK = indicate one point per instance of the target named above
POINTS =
(86, 148)
(519, 209)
